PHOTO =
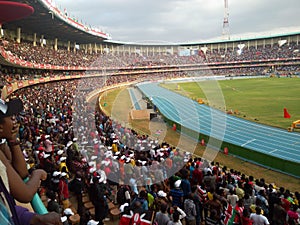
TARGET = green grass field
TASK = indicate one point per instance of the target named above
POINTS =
(259, 100)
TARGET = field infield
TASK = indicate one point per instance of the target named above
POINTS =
(261, 100)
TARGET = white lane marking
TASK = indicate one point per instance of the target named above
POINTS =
(248, 142)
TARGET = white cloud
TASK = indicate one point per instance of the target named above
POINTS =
(182, 20)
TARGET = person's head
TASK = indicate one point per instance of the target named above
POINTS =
(51, 194)
(257, 210)
(240, 202)
(143, 194)
(164, 207)
(294, 207)
(176, 216)
(246, 212)
(8, 112)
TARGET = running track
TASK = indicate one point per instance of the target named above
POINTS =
(211, 122)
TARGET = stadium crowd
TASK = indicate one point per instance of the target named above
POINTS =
(92, 166)
(86, 58)
(86, 155)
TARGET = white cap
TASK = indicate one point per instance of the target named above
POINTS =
(63, 219)
(92, 222)
(63, 174)
(56, 173)
(69, 143)
(94, 157)
(123, 206)
(92, 170)
(161, 193)
(60, 152)
(62, 158)
(68, 212)
(177, 183)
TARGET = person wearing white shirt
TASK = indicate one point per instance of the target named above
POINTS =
(258, 218)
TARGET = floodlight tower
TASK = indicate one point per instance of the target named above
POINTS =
(225, 32)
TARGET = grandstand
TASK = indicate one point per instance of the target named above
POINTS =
(55, 64)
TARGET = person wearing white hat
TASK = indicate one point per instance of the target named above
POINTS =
(64, 190)
(75, 144)
(68, 212)
(176, 194)
(63, 165)
(60, 152)
(92, 222)
(97, 196)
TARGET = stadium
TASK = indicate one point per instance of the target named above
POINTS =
(85, 98)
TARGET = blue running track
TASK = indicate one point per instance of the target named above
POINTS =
(134, 100)
(211, 122)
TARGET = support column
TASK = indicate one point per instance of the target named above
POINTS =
(34, 39)
(1, 31)
(42, 41)
(90, 48)
(55, 44)
(112, 50)
(74, 49)
(69, 46)
(19, 35)
(96, 49)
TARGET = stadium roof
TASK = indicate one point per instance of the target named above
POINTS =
(47, 20)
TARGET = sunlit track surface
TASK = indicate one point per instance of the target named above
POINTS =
(203, 119)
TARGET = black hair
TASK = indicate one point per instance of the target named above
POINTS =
(176, 216)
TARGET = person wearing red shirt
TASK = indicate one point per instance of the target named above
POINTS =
(64, 190)
(245, 220)
(197, 176)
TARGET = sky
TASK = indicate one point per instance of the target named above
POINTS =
(184, 21)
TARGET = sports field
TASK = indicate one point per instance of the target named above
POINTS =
(259, 100)
(118, 103)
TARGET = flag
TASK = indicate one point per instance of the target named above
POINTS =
(286, 114)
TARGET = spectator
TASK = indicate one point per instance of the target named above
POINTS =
(162, 217)
(176, 194)
(258, 218)
(190, 210)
